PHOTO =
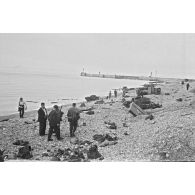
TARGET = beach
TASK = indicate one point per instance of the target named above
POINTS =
(170, 136)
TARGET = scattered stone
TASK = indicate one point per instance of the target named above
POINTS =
(84, 124)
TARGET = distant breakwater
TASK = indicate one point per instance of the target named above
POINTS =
(120, 77)
(149, 78)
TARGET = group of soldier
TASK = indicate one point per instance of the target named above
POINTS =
(54, 118)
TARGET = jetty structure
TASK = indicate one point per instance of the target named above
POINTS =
(145, 78)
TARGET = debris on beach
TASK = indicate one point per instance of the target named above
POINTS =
(151, 117)
(108, 143)
(92, 98)
(99, 102)
(90, 112)
(1, 156)
(110, 125)
(3, 120)
(102, 137)
(135, 110)
(93, 152)
(20, 143)
(82, 105)
(179, 99)
(25, 152)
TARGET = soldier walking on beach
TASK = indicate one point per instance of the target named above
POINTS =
(110, 95)
(54, 123)
(42, 119)
(187, 86)
(115, 93)
(73, 117)
(21, 107)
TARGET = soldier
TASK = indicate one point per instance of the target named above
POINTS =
(54, 123)
(187, 86)
(42, 119)
(115, 93)
(73, 117)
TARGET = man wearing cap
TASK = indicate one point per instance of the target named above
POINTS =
(42, 119)
(54, 123)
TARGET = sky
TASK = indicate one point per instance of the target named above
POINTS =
(166, 55)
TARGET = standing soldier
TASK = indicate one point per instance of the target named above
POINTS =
(110, 95)
(73, 117)
(21, 107)
(187, 86)
(42, 119)
(54, 123)
(115, 93)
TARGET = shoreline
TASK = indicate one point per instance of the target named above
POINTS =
(169, 136)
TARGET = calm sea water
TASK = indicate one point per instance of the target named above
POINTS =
(50, 88)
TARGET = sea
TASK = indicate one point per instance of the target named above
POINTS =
(52, 88)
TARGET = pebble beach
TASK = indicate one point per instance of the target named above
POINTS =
(169, 136)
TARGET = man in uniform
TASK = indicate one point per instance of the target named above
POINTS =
(54, 123)
(73, 117)
(42, 119)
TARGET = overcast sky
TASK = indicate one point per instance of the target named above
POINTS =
(169, 55)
